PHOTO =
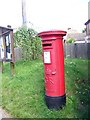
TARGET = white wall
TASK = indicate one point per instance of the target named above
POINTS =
(89, 10)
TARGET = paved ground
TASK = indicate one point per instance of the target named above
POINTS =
(4, 114)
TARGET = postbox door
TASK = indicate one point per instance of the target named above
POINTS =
(53, 69)
(49, 67)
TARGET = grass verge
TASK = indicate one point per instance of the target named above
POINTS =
(23, 95)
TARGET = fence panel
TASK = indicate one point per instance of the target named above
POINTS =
(18, 53)
(67, 48)
(71, 50)
(88, 50)
(0, 52)
(77, 50)
(81, 50)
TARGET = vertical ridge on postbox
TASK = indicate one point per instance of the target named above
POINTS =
(53, 56)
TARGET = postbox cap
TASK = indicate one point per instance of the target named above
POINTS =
(52, 32)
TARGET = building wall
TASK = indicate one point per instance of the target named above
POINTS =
(88, 25)
(88, 10)
(88, 29)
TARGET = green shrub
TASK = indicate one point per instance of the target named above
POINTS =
(70, 40)
(27, 39)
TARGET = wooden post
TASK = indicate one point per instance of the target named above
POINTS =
(1, 67)
(4, 48)
(12, 51)
(12, 68)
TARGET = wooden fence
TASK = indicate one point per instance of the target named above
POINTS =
(77, 50)
(18, 53)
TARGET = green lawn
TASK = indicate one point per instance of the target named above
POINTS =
(23, 96)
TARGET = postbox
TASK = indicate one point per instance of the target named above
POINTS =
(53, 58)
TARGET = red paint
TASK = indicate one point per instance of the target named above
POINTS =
(53, 55)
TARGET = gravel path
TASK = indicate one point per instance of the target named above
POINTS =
(4, 114)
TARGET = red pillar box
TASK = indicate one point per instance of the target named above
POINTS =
(53, 56)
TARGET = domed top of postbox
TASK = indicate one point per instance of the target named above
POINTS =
(52, 34)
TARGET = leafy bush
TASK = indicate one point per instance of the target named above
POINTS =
(70, 40)
(27, 39)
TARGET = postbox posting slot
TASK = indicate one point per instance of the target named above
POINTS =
(47, 45)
